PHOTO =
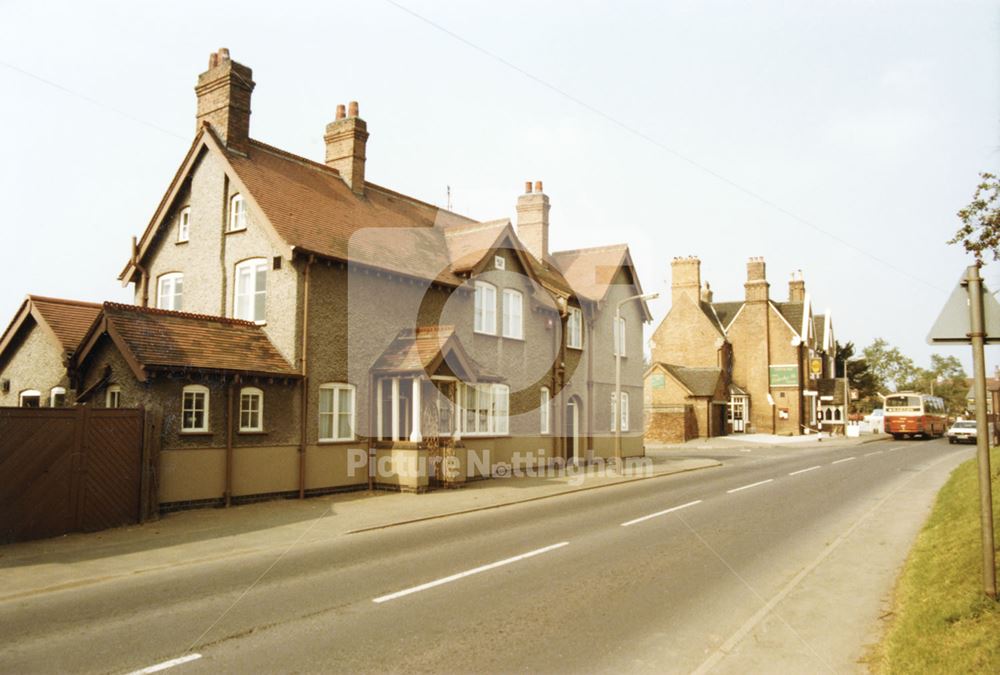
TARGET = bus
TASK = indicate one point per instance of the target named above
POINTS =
(914, 414)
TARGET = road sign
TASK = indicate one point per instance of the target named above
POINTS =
(952, 325)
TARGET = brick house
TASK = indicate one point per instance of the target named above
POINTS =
(396, 332)
(35, 350)
(752, 365)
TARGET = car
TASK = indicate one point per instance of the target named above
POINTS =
(962, 431)
(876, 421)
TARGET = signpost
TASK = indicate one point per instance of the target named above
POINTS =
(972, 316)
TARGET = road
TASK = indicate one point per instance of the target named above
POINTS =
(764, 564)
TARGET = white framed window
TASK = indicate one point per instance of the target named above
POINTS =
(336, 412)
(250, 297)
(170, 291)
(113, 397)
(237, 213)
(513, 321)
(544, 405)
(57, 397)
(194, 408)
(184, 224)
(618, 328)
(574, 328)
(499, 262)
(30, 398)
(485, 308)
(251, 409)
(619, 414)
(486, 409)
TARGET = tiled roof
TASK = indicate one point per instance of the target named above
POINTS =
(68, 319)
(699, 381)
(590, 271)
(792, 311)
(422, 351)
(819, 327)
(831, 386)
(159, 339)
(727, 311)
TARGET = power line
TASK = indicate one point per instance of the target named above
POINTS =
(649, 139)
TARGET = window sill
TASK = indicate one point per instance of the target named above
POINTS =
(513, 338)
(327, 441)
(480, 332)
(195, 432)
(181, 241)
(579, 349)
(251, 432)
(237, 231)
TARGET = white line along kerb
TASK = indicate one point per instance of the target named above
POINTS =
(845, 459)
(166, 664)
(468, 573)
(812, 468)
(661, 513)
(747, 487)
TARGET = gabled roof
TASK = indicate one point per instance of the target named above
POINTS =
(700, 382)
(163, 340)
(424, 350)
(792, 313)
(727, 311)
(591, 271)
(68, 320)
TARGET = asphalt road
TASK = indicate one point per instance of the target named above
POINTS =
(702, 561)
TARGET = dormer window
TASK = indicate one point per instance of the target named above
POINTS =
(184, 225)
(237, 213)
(170, 291)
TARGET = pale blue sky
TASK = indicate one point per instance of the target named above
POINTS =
(869, 120)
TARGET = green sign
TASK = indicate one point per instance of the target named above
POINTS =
(658, 381)
(784, 376)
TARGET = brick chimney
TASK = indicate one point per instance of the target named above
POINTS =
(685, 279)
(797, 287)
(757, 288)
(533, 220)
(346, 138)
(224, 100)
(706, 293)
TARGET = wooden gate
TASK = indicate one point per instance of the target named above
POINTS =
(74, 469)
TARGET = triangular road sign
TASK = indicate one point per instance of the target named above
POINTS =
(952, 325)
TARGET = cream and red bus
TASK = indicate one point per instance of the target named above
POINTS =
(912, 414)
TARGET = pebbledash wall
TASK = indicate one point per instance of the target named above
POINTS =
(37, 363)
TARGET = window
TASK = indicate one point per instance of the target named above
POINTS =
(250, 300)
(170, 291)
(113, 397)
(622, 414)
(543, 410)
(486, 409)
(618, 326)
(184, 224)
(485, 308)
(194, 408)
(57, 397)
(499, 262)
(251, 409)
(574, 328)
(513, 324)
(336, 412)
(237, 213)
(30, 398)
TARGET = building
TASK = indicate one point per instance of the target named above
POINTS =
(304, 329)
(751, 365)
(36, 347)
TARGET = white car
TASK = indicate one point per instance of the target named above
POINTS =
(963, 431)
(876, 421)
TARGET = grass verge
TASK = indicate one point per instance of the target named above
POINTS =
(942, 622)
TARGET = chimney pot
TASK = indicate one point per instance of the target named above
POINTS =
(213, 60)
(527, 187)
(223, 54)
(538, 186)
(352, 109)
(341, 112)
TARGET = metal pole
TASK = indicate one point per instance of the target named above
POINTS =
(617, 421)
(978, 334)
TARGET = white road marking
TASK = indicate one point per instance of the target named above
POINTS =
(845, 459)
(167, 664)
(894, 449)
(747, 487)
(877, 452)
(468, 573)
(661, 513)
(812, 468)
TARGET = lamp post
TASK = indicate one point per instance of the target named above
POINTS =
(619, 339)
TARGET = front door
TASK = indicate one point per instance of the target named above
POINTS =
(738, 413)
(572, 431)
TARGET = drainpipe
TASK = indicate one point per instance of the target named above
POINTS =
(372, 415)
(304, 382)
(144, 275)
(229, 441)
(589, 345)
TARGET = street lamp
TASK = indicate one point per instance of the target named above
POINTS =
(619, 338)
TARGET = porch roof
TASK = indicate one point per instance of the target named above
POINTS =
(425, 350)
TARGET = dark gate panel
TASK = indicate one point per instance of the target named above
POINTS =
(68, 469)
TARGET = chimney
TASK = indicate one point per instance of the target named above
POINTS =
(533, 220)
(757, 288)
(797, 288)
(685, 279)
(346, 138)
(706, 293)
(224, 100)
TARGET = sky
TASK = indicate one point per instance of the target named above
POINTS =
(838, 138)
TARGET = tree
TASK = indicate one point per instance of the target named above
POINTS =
(980, 230)
(859, 376)
(890, 368)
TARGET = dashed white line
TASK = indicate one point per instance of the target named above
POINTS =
(845, 459)
(661, 513)
(812, 468)
(889, 450)
(167, 664)
(877, 452)
(468, 573)
(747, 487)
